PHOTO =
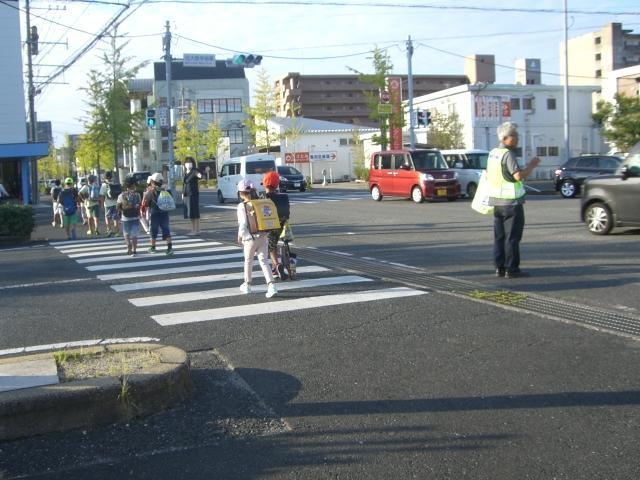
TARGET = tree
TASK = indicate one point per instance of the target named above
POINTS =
(50, 166)
(92, 153)
(377, 82)
(190, 141)
(620, 121)
(263, 110)
(294, 131)
(360, 169)
(110, 116)
(445, 131)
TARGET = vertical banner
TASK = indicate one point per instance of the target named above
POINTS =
(395, 128)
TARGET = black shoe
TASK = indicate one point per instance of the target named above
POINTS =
(281, 272)
(516, 274)
(499, 272)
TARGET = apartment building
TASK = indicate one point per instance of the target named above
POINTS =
(219, 93)
(593, 56)
(340, 98)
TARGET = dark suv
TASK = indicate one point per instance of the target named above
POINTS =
(291, 178)
(570, 176)
(613, 200)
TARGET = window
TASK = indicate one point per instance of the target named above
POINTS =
(608, 163)
(344, 142)
(519, 152)
(400, 160)
(515, 104)
(235, 135)
(261, 167)
(219, 105)
(145, 147)
(165, 146)
(225, 171)
(598, 40)
(527, 103)
(383, 162)
(588, 162)
(598, 57)
(541, 151)
(551, 103)
(553, 152)
(598, 73)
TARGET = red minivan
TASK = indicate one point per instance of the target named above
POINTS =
(419, 174)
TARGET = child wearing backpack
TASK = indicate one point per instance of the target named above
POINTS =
(57, 208)
(128, 205)
(69, 201)
(159, 203)
(90, 193)
(109, 193)
(271, 182)
(256, 243)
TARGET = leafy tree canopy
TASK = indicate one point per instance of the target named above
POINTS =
(620, 121)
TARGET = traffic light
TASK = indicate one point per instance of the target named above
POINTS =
(244, 60)
(422, 118)
(151, 118)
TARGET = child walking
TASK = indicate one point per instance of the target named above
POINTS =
(128, 205)
(271, 182)
(256, 243)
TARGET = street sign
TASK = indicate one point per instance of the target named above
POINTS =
(385, 96)
(296, 157)
(323, 156)
(198, 60)
(163, 118)
(384, 108)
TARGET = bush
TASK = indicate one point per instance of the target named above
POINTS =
(361, 173)
(16, 220)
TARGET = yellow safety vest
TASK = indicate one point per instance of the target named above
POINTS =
(499, 187)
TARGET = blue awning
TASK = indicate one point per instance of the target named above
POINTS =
(22, 150)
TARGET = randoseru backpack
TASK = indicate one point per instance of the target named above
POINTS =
(165, 201)
(130, 204)
(113, 190)
(94, 192)
(68, 201)
(55, 193)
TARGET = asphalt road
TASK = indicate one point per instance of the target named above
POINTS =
(409, 382)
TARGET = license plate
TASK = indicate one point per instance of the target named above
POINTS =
(296, 184)
(441, 192)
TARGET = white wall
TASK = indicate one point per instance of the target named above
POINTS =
(13, 128)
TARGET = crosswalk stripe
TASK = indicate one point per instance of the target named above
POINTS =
(234, 291)
(179, 251)
(105, 248)
(283, 306)
(177, 282)
(92, 241)
(165, 261)
(226, 207)
(170, 271)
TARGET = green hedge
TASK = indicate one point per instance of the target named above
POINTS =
(16, 220)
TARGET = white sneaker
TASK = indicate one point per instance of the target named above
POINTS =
(272, 291)
(245, 288)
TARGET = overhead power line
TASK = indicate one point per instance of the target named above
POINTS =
(422, 6)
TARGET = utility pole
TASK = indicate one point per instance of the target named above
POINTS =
(33, 174)
(567, 152)
(166, 43)
(412, 133)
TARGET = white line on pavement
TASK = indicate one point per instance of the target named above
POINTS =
(92, 241)
(164, 261)
(40, 284)
(234, 291)
(176, 282)
(141, 242)
(283, 306)
(78, 343)
(170, 271)
(176, 251)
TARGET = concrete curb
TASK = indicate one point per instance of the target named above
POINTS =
(96, 401)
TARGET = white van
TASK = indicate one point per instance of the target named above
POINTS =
(250, 167)
(468, 164)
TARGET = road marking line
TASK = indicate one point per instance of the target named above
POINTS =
(78, 343)
(170, 271)
(234, 291)
(226, 207)
(176, 282)
(164, 261)
(340, 253)
(40, 284)
(142, 242)
(92, 241)
(283, 306)
(179, 251)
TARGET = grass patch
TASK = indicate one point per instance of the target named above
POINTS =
(503, 297)
(78, 365)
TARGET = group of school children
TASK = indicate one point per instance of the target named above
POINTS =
(125, 208)
(152, 212)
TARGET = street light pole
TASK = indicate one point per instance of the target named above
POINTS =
(412, 133)
(166, 42)
(567, 153)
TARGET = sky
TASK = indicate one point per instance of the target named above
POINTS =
(307, 36)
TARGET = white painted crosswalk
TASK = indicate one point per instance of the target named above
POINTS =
(161, 286)
(309, 198)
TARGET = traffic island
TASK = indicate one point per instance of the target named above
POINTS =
(90, 387)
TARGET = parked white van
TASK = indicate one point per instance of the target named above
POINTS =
(250, 167)
(468, 164)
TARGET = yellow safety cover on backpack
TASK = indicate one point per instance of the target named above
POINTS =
(262, 215)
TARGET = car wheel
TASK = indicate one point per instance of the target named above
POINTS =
(598, 219)
(416, 195)
(376, 194)
(568, 189)
(220, 197)
(471, 190)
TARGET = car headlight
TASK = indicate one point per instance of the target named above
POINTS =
(558, 172)
(426, 177)
(283, 179)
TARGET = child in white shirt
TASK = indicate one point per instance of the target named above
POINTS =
(256, 243)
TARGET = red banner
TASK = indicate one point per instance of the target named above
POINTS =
(296, 157)
(395, 90)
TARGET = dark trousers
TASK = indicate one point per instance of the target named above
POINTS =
(508, 225)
